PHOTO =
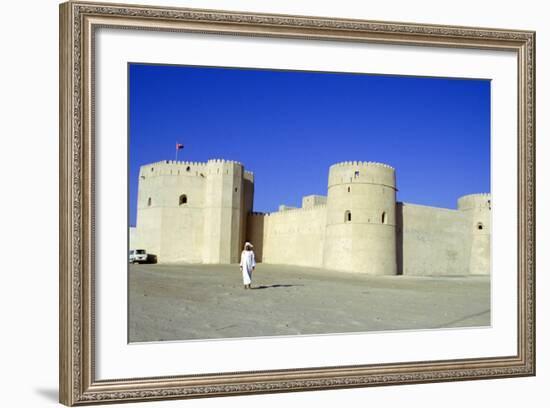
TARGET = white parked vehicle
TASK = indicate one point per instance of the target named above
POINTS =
(138, 255)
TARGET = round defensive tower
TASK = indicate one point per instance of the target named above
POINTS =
(361, 221)
(478, 209)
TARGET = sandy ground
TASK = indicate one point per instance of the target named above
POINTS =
(180, 302)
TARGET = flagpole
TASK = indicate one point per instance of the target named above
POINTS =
(178, 147)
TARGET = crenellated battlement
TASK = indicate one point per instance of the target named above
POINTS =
(248, 175)
(477, 195)
(222, 167)
(295, 210)
(223, 161)
(470, 201)
(174, 163)
(288, 211)
(192, 168)
(361, 164)
(180, 163)
(346, 173)
(171, 168)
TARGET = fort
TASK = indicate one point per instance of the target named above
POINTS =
(202, 212)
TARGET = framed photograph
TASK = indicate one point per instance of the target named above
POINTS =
(255, 203)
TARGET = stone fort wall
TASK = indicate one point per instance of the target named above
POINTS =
(291, 237)
(357, 227)
(432, 241)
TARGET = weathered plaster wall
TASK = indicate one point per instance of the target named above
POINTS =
(293, 237)
(432, 241)
(171, 230)
(313, 200)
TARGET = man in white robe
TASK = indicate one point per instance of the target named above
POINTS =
(248, 263)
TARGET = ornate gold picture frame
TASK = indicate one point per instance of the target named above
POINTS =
(78, 381)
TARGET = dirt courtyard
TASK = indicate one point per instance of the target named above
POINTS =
(183, 302)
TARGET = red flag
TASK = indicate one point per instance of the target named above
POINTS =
(179, 146)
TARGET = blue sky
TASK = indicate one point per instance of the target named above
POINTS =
(288, 127)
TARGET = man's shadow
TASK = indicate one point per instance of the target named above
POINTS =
(273, 286)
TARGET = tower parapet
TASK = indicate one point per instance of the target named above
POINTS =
(472, 201)
(361, 171)
(172, 168)
(313, 200)
(249, 176)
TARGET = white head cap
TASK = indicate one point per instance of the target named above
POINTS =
(248, 244)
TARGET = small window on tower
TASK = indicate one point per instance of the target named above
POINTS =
(349, 189)
(384, 218)
(347, 216)
(188, 168)
(183, 199)
(479, 226)
(357, 173)
(149, 201)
